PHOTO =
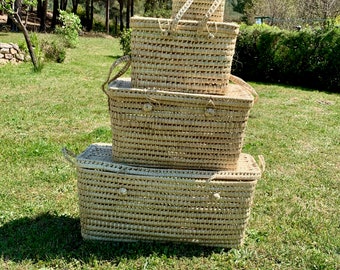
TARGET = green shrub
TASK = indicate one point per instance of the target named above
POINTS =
(49, 48)
(54, 50)
(70, 28)
(125, 40)
(163, 10)
(308, 58)
(99, 26)
(23, 46)
(37, 51)
(159, 13)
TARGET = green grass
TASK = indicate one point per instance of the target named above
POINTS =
(294, 220)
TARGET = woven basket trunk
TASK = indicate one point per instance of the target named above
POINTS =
(124, 203)
(157, 128)
(199, 8)
(180, 56)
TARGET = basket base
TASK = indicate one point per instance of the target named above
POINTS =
(117, 238)
(124, 203)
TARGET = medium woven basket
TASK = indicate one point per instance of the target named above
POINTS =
(199, 8)
(182, 55)
(178, 130)
(124, 203)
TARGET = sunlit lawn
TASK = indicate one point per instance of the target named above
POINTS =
(294, 220)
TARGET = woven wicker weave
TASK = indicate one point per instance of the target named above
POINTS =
(178, 130)
(214, 9)
(124, 203)
(179, 56)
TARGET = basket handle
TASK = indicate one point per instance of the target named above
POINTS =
(242, 83)
(186, 6)
(262, 163)
(69, 156)
(179, 15)
(124, 59)
(210, 12)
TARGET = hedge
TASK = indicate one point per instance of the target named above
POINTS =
(307, 58)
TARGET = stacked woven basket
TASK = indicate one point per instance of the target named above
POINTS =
(175, 170)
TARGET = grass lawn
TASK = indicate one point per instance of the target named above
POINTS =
(295, 219)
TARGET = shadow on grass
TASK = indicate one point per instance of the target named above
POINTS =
(114, 57)
(49, 236)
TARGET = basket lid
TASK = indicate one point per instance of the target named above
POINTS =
(236, 95)
(227, 28)
(99, 156)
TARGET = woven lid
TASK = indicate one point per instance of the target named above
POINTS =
(236, 95)
(184, 25)
(99, 156)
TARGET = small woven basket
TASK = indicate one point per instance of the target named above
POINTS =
(124, 203)
(178, 130)
(200, 8)
(182, 55)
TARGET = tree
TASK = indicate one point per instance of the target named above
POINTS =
(279, 11)
(121, 21)
(129, 11)
(55, 14)
(240, 5)
(287, 13)
(157, 8)
(75, 4)
(319, 9)
(88, 15)
(63, 4)
(128, 4)
(107, 16)
(41, 12)
(149, 6)
(13, 10)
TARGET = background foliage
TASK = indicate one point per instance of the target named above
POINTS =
(69, 29)
(308, 58)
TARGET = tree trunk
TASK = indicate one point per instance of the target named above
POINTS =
(39, 8)
(107, 17)
(128, 3)
(43, 16)
(87, 15)
(12, 24)
(91, 17)
(17, 20)
(116, 25)
(121, 21)
(75, 6)
(63, 4)
(55, 14)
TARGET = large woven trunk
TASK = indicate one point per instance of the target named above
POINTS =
(178, 130)
(124, 203)
(182, 56)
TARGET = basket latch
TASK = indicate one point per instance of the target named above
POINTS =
(210, 109)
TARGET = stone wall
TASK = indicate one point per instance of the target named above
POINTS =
(10, 53)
